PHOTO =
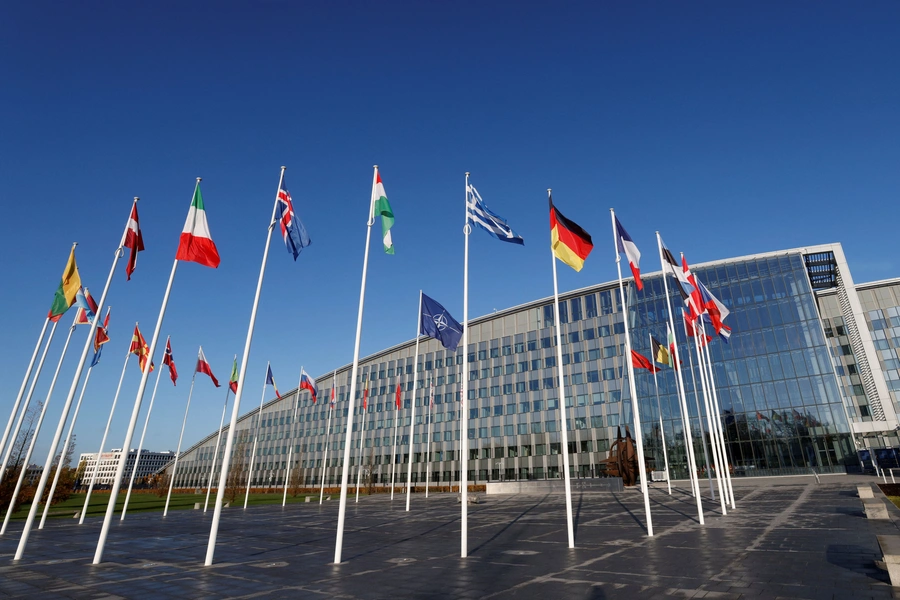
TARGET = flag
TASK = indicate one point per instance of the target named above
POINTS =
(332, 395)
(437, 323)
(292, 229)
(64, 297)
(493, 223)
(670, 266)
(660, 353)
(776, 416)
(87, 308)
(196, 243)
(133, 240)
(691, 329)
(203, 367)
(431, 396)
(625, 244)
(397, 399)
(570, 243)
(101, 338)
(694, 301)
(761, 417)
(670, 340)
(170, 361)
(714, 307)
(139, 346)
(270, 380)
(383, 207)
(308, 383)
(642, 362)
(233, 382)
(366, 396)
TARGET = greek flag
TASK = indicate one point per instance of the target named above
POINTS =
(490, 222)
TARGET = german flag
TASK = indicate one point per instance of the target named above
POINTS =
(570, 243)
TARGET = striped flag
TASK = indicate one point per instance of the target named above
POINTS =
(69, 285)
(383, 208)
(491, 222)
(626, 246)
(195, 244)
(139, 346)
(203, 367)
(169, 361)
(133, 241)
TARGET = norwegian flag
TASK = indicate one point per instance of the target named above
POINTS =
(292, 229)
(170, 362)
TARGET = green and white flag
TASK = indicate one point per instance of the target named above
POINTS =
(383, 208)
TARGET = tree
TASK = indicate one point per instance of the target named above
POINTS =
(67, 476)
(234, 483)
(17, 455)
(296, 480)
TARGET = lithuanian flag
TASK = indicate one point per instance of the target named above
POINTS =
(570, 243)
(68, 288)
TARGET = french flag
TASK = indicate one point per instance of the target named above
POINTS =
(308, 383)
(625, 244)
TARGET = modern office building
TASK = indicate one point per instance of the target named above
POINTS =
(150, 463)
(809, 376)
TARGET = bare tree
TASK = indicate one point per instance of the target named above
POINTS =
(15, 466)
(66, 484)
(234, 483)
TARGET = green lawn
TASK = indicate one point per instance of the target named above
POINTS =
(149, 503)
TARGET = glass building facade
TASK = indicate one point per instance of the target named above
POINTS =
(786, 397)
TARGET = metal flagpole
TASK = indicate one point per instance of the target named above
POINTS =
(707, 409)
(394, 447)
(34, 437)
(362, 439)
(638, 436)
(345, 472)
(28, 397)
(256, 437)
(178, 452)
(212, 467)
(327, 436)
(229, 440)
(718, 422)
(463, 399)
(287, 472)
(662, 433)
(87, 498)
(137, 457)
(430, 417)
(15, 408)
(563, 413)
(65, 449)
(412, 419)
(712, 489)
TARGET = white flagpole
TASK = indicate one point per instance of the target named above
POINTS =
(638, 436)
(718, 423)
(707, 408)
(563, 413)
(430, 417)
(362, 441)
(463, 399)
(685, 415)
(87, 498)
(212, 467)
(178, 451)
(712, 489)
(328, 435)
(345, 473)
(394, 446)
(412, 419)
(287, 472)
(65, 449)
(229, 440)
(662, 432)
(34, 437)
(15, 408)
(28, 397)
(256, 437)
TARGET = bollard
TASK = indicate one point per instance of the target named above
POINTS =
(196, 506)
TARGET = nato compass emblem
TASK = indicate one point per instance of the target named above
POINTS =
(440, 321)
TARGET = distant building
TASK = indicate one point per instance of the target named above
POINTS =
(33, 473)
(150, 462)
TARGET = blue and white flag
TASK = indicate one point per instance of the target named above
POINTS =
(492, 223)
(437, 323)
(292, 229)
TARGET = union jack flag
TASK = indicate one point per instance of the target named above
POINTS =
(292, 229)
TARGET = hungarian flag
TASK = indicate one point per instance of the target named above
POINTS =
(397, 399)
(203, 367)
(270, 380)
(570, 243)
(87, 307)
(383, 208)
(624, 244)
(69, 284)
(101, 338)
(232, 383)
(196, 243)
(170, 362)
(366, 396)
(139, 346)
(642, 362)
(133, 240)
(308, 383)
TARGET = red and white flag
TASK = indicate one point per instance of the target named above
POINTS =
(133, 241)
(203, 367)
(196, 243)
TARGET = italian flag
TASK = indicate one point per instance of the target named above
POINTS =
(383, 208)
(196, 243)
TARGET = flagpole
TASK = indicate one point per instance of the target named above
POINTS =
(137, 457)
(87, 498)
(256, 435)
(178, 451)
(15, 408)
(412, 419)
(229, 440)
(212, 467)
(712, 489)
(362, 439)
(28, 397)
(287, 473)
(718, 423)
(345, 471)
(638, 435)
(65, 449)
(328, 434)
(685, 415)
(34, 437)
(394, 446)
(570, 529)
(662, 432)
(463, 399)
(430, 417)
(712, 433)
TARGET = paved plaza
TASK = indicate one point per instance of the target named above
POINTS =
(788, 538)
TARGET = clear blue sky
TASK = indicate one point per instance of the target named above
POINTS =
(731, 128)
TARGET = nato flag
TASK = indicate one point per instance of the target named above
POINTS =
(436, 322)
